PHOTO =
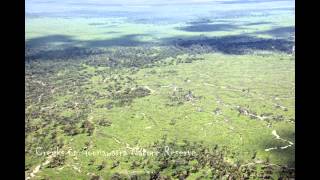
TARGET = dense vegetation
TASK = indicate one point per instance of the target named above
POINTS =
(62, 95)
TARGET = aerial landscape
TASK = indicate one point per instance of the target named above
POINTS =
(159, 90)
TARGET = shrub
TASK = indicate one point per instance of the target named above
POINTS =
(88, 127)
(70, 130)
(104, 122)
(101, 166)
(57, 161)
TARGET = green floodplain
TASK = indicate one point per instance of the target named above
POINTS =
(136, 94)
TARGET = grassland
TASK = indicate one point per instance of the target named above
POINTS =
(108, 98)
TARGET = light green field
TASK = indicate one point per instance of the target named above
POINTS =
(219, 80)
(111, 28)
